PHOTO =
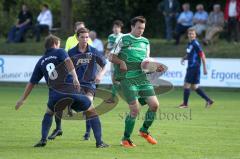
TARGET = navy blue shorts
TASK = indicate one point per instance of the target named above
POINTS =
(77, 102)
(192, 76)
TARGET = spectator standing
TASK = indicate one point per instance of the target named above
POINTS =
(170, 9)
(200, 19)
(232, 18)
(44, 21)
(96, 43)
(215, 24)
(24, 22)
(184, 22)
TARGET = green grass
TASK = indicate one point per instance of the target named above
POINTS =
(159, 48)
(205, 134)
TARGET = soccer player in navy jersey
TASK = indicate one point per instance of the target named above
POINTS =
(194, 56)
(47, 67)
(86, 60)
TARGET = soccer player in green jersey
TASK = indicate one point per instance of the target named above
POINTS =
(130, 51)
(117, 29)
(117, 32)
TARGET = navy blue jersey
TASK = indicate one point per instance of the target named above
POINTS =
(51, 66)
(194, 53)
(46, 65)
(86, 65)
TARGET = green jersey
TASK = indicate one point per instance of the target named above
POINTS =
(112, 39)
(132, 50)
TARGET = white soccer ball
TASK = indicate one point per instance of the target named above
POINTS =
(149, 65)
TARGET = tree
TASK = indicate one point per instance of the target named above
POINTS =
(66, 16)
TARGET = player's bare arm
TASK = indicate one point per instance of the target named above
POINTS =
(204, 65)
(99, 76)
(203, 58)
(72, 71)
(183, 59)
(114, 59)
(27, 91)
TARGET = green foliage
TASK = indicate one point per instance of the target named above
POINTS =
(101, 14)
(9, 10)
(98, 14)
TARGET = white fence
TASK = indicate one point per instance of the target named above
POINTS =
(221, 72)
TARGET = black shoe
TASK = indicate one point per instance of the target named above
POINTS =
(86, 136)
(102, 145)
(55, 133)
(41, 143)
(209, 103)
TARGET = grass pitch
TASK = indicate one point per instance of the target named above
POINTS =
(195, 133)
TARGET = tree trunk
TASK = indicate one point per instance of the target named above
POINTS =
(66, 16)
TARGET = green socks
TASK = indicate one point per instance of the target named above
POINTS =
(149, 118)
(129, 125)
(130, 122)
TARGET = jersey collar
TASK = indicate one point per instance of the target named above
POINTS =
(134, 37)
(89, 49)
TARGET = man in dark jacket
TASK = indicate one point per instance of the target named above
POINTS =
(170, 9)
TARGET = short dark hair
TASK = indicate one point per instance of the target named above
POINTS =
(50, 40)
(140, 19)
(45, 5)
(118, 23)
(82, 30)
(78, 23)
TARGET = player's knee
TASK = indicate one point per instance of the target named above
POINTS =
(187, 86)
(154, 106)
(134, 111)
(194, 87)
(49, 111)
(91, 112)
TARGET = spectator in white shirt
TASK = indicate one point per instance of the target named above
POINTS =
(200, 19)
(96, 43)
(44, 21)
(184, 22)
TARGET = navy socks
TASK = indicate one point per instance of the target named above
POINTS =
(46, 125)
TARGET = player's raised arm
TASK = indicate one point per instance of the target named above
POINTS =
(114, 58)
